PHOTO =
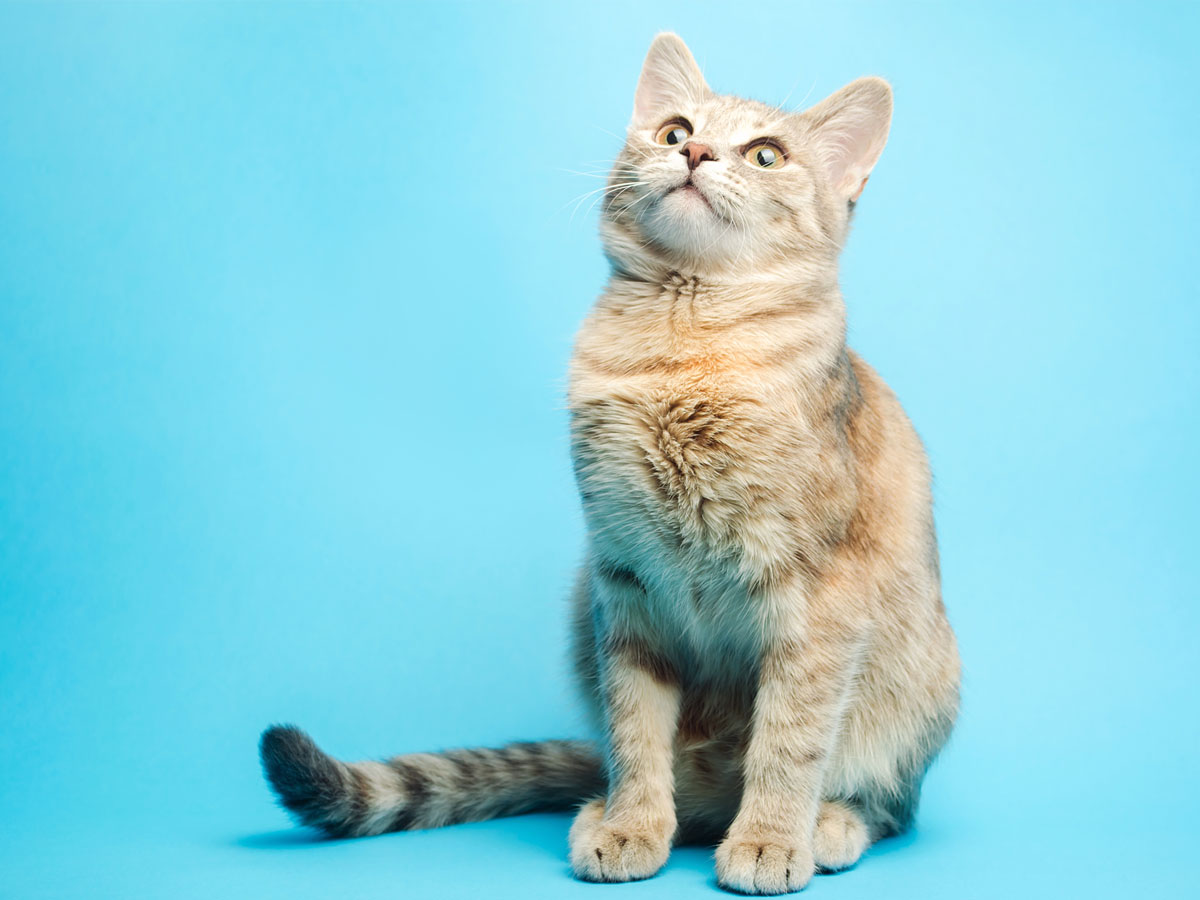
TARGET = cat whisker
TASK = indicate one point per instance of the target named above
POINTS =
(610, 197)
(618, 187)
(600, 190)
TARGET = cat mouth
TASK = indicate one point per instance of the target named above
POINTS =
(691, 189)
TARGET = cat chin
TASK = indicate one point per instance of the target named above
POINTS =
(685, 221)
(690, 208)
(689, 197)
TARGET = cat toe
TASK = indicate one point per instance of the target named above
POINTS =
(616, 851)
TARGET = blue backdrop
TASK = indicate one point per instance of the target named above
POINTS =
(287, 294)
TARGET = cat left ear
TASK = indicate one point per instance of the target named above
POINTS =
(671, 81)
(851, 127)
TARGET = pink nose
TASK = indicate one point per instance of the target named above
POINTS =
(696, 154)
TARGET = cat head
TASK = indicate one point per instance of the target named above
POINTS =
(709, 184)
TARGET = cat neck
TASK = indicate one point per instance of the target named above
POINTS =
(813, 275)
(637, 323)
(714, 301)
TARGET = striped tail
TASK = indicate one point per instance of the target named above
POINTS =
(425, 790)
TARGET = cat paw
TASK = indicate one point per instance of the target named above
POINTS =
(615, 851)
(767, 864)
(840, 837)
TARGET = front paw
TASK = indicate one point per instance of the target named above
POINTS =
(763, 864)
(840, 837)
(616, 851)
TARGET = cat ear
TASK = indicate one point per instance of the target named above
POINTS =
(851, 127)
(671, 81)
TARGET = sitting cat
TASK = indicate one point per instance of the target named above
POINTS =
(758, 628)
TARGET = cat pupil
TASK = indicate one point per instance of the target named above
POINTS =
(766, 157)
(676, 135)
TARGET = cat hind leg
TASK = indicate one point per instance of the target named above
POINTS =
(840, 837)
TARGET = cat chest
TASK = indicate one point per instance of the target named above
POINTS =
(673, 468)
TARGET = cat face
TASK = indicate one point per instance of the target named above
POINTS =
(709, 183)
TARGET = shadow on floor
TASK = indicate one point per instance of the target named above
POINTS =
(284, 839)
(546, 831)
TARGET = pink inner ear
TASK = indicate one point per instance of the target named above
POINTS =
(851, 127)
(858, 193)
(670, 79)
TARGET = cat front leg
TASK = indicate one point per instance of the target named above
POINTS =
(628, 835)
(803, 682)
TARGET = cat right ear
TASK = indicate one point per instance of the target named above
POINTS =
(671, 81)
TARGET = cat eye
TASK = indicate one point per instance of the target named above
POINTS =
(766, 156)
(674, 132)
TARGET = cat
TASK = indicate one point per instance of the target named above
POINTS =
(758, 629)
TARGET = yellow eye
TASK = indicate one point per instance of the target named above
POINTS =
(766, 156)
(674, 133)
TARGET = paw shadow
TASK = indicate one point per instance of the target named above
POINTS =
(888, 845)
(545, 831)
(283, 839)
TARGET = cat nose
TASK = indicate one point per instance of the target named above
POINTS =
(696, 154)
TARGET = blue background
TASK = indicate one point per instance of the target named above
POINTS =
(287, 294)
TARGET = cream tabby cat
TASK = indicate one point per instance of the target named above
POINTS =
(758, 629)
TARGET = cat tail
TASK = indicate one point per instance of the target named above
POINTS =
(425, 790)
